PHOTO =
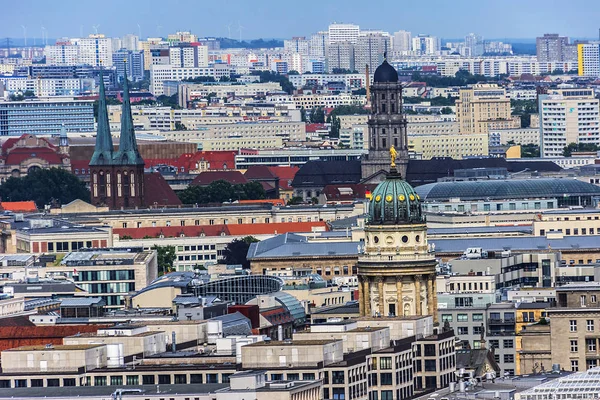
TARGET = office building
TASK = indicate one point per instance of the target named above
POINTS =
(554, 48)
(478, 105)
(453, 145)
(370, 49)
(154, 48)
(48, 87)
(130, 42)
(588, 59)
(188, 56)
(425, 45)
(46, 117)
(159, 74)
(182, 37)
(343, 33)
(95, 50)
(568, 116)
(134, 60)
(402, 42)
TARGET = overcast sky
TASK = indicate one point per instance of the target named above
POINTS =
(283, 19)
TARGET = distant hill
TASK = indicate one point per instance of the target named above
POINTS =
(227, 43)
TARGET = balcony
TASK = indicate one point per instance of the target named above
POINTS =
(499, 321)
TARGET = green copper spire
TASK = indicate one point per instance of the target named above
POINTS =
(128, 153)
(103, 153)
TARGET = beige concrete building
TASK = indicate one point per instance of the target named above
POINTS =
(480, 104)
(52, 358)
(500, 137)
(567, 223)
(452, 145)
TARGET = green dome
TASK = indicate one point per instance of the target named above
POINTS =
(393, 202)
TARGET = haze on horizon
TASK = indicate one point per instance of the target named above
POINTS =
(273, 19)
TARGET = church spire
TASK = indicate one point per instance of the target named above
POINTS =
(103, 151)
(128, 153)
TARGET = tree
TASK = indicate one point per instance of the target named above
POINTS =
(180, 126)
(317, 115)
(446, 110)
(45, 186)
(28, 93)
(221, 191)
(169, 101)
(348, 110)
(165, 258)
(303, 114)
(268, 76)
(252, 191)
(575, 147)
(235, 253)
(295, 201)
(360, 92)
(336, 125)
(200, 79)
(530, 151)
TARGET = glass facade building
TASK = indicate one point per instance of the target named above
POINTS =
(46, 117)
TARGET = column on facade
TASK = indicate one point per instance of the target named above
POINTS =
(380, 292)
(418, 295)
(435, 300)
(361, 296)
(367, 295)
(430, 279)
(399, 302)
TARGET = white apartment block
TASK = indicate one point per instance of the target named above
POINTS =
(568, 116)
(343, 33)
(309, 101)
(189, 56)
(94, 50)
(193, 91)
(350, 80)
(370, 49)
(522, 94)
(48, 87)
(425, 44)
(161, 73)
(319, 42)
(341, 56)
(130, 42)
(297, 44)
(588, 57)
(62, 53)
(500, 137)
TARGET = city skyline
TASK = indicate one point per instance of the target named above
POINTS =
(36, 19)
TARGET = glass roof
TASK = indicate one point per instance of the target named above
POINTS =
(506, 189)
(577, 385)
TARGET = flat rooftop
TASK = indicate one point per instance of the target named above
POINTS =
(58, 347)
(293, 343)
(106, 391)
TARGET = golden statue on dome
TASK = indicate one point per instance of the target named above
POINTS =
(393, 155)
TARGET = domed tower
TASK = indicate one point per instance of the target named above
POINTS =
(396, 272)
(387, 124)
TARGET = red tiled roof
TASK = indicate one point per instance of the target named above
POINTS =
(158, 191)
(259, 172)
(337, 192)
(18, 155)
(12, 336)
(207, 177)
(19, 206)
(275, 228)
(286, 176)
(220, 230)
(311, 128)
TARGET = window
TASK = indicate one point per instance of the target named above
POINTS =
(70, 382)
(340, 394)
(148, 380)
(590, 325)
(574, 346)
(591, 345)
(494, 344)
(99, 381)
(195, 378)
(337, 377)
(385, 379)
(477, 317)
(430, 365)
(574, 365)
(385, 363)
(582, 300)
(116, 380)
(509, 358)
(54, 382)
(131, 380)
(477, 330)
(387, 394)
(37, 383)
(507, 344)
(572, 325)
(462, 318)
(446, 317)
(593, 297)
(164, 379)
(463, 330)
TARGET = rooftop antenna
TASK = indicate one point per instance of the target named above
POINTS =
(24, 33)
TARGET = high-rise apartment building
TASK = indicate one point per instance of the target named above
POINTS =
(343, 33)
(474, 45)
(479, 105)
(341, 56)
(588, 59)
(130, 42)
(370, 49)
(152, 44)
(552, 47)
(61, 53)
(188, 56)
(297, 44)
(568, 116)
(319, 43)
(134, 61)
(401, 42)
(94, 50)
(182, 37)
(425, 44)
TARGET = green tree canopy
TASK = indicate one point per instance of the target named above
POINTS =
(222, 191)
(236, 251)
(461, 78)
(165, 258)
(530, 150)
(45, 186)
(268, 76)
(317, 115)
(575, 147)
(347, 110)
